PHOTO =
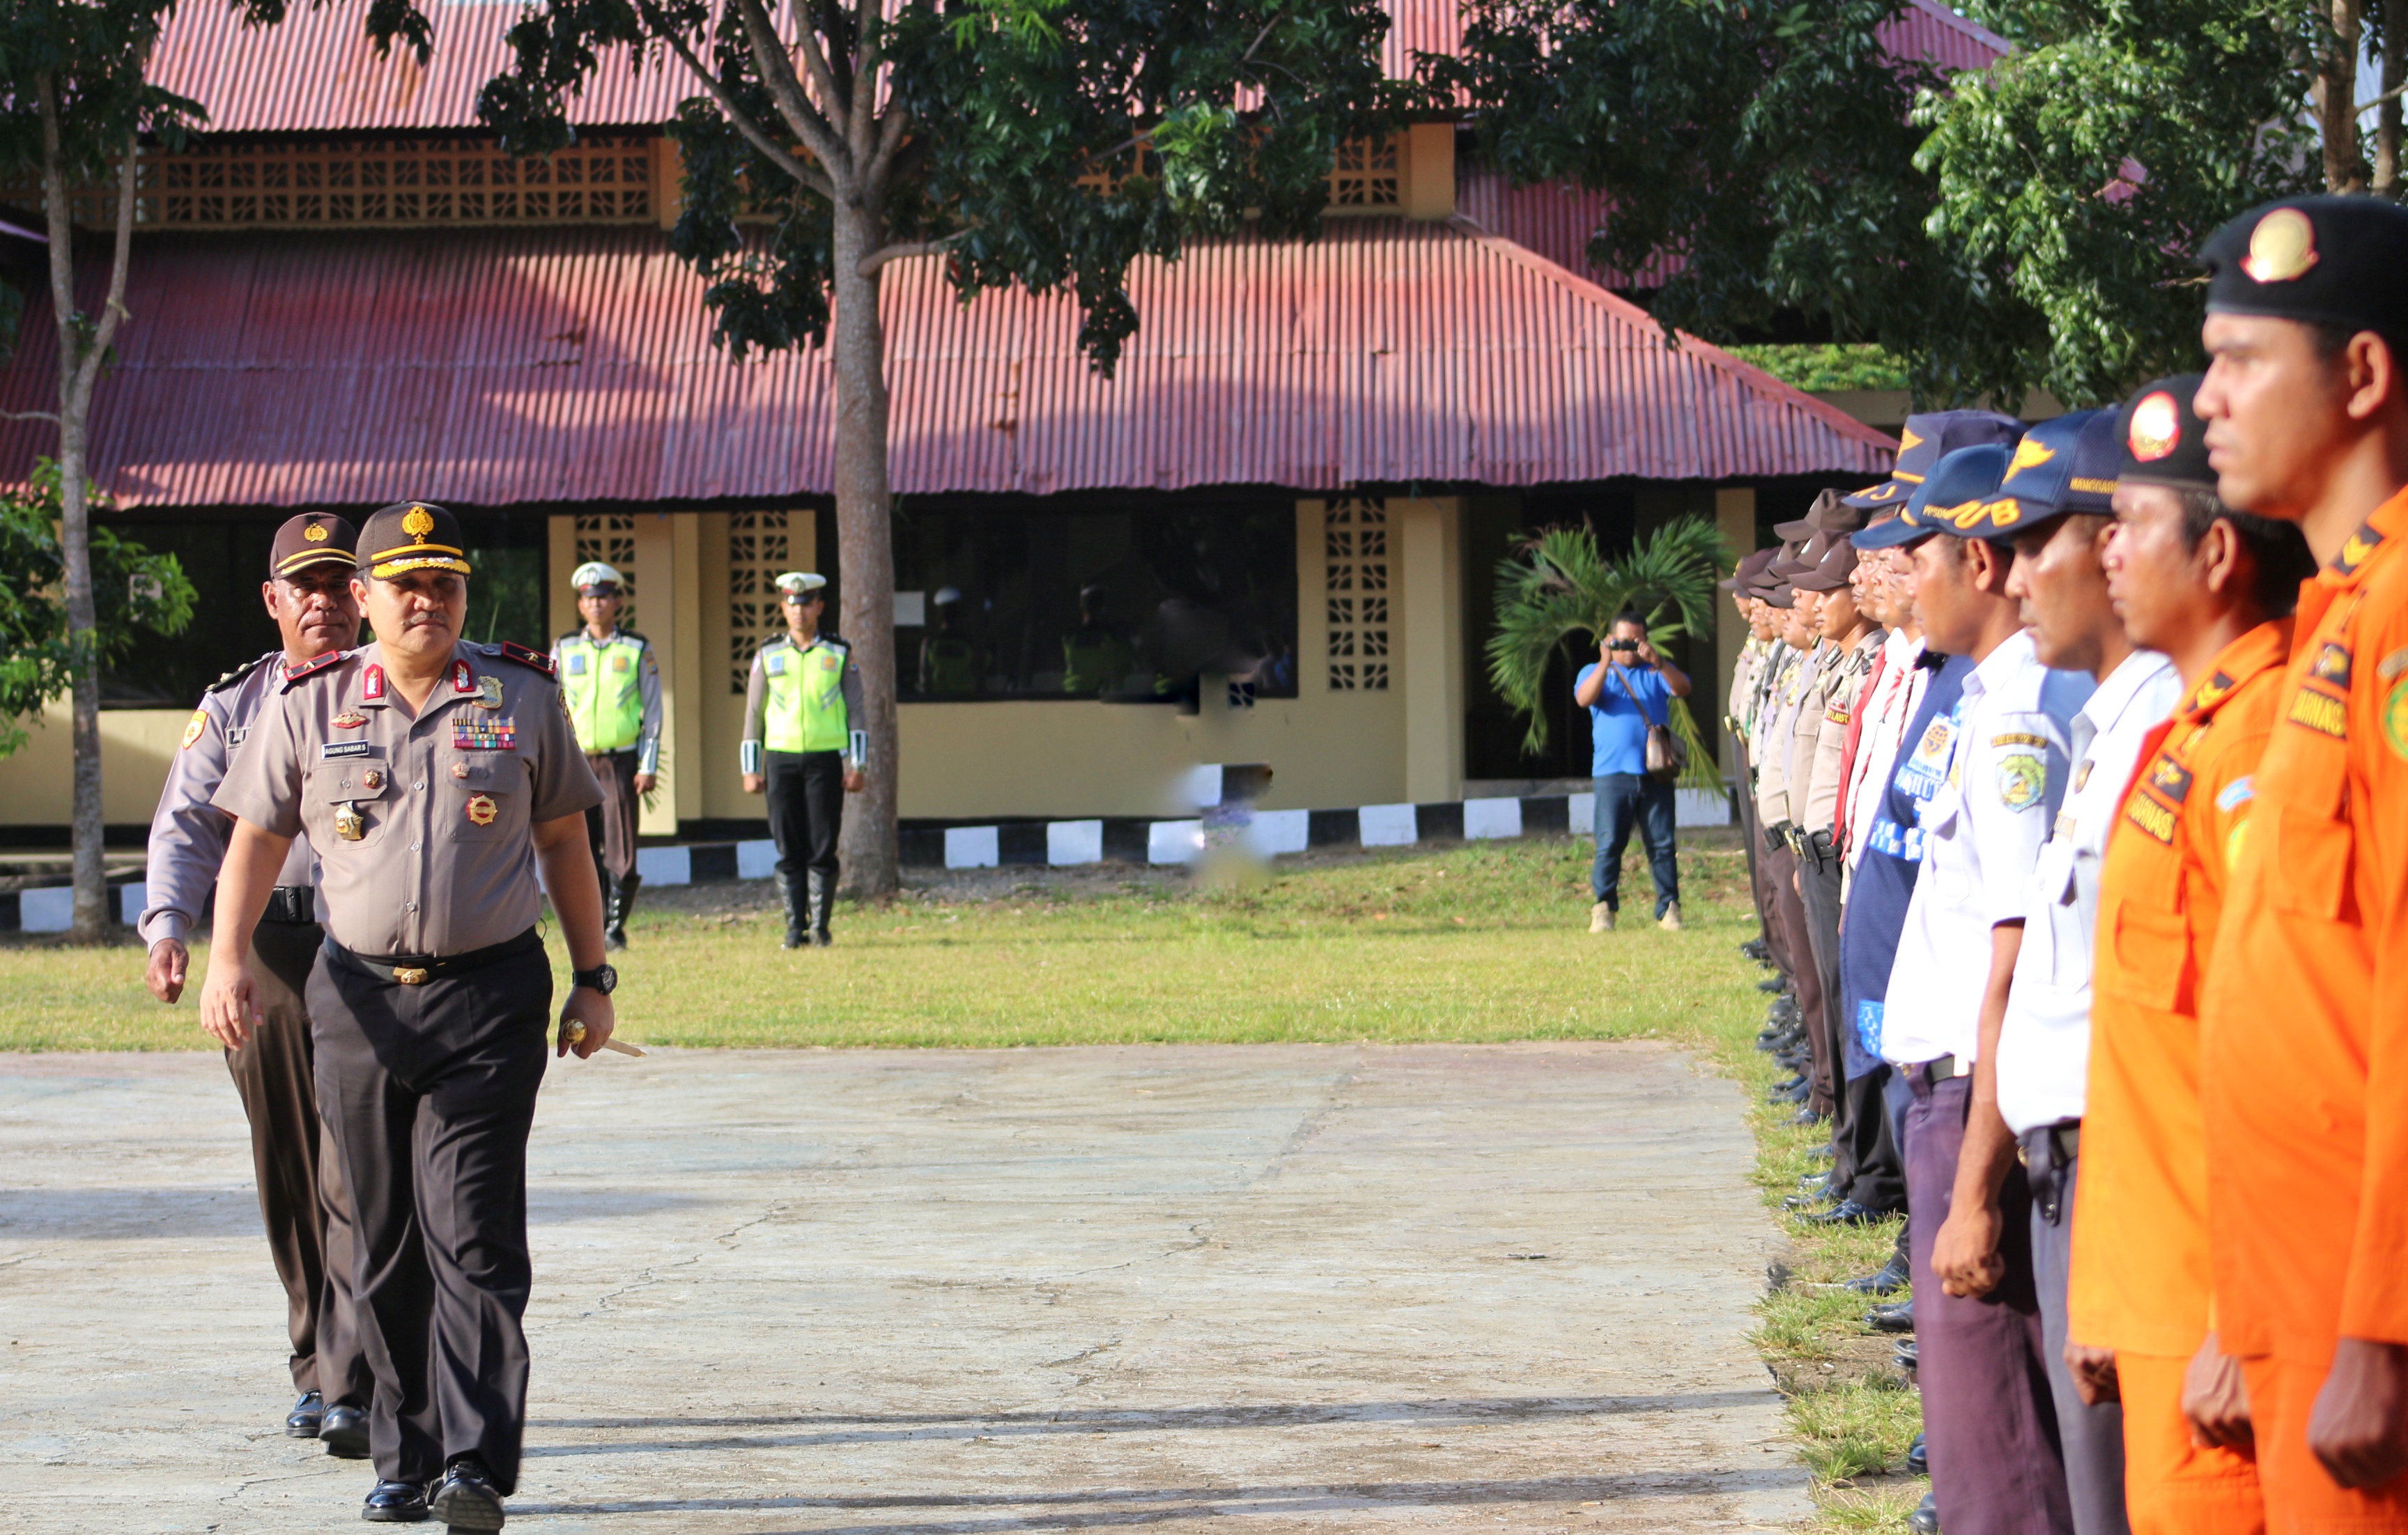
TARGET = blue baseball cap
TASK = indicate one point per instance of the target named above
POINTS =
(1961, 481)
(2064, 466)
(1923, 441)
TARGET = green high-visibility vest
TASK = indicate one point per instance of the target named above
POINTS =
(603, 686)
(804, 710)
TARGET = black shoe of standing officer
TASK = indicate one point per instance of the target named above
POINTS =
(1805, 1117)
(1754, 949)
(1924, 1520)
(1772, 982)
(465, 1499)
(1906, 1356)
(345, 1432)
(1888, 1279)
(1816, 1193)
(1897, 1318)
(796, 918)
(396, 1503)
(302, 1422)
(1918, 1459)
(1846, 1213)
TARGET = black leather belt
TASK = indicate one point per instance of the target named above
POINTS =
(1931, 1073)
(291, 903)
(418, 970)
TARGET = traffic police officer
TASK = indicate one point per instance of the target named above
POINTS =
(800, 746)
(301, 1199)
(611, 683)
(431, 777)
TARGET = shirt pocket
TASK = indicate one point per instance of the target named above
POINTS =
(2308, 867)
(330, 785)
(483, 799)
(2151, 948)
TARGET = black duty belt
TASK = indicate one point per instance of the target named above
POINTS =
(1933, 1072)
(418, 970)
(291, 903)
(2049, 1152)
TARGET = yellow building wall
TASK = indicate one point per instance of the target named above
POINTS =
(37, 785)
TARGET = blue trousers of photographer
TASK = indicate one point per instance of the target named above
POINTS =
(1623, 801)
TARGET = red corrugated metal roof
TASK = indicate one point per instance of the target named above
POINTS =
(1928, 30)
(523, 365)
(1556, 219)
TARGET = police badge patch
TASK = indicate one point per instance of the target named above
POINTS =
(193, 728)
(2022, 779)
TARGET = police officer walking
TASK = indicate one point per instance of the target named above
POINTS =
(800, 746)
(432, 778)
(301, 1198)
(611, 683)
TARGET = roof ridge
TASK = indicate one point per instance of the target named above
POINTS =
(1706, 352)
(1965, 24)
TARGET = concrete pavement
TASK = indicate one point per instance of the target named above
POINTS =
(856, 1293)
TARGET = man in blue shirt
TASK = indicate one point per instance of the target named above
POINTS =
(1627, 688)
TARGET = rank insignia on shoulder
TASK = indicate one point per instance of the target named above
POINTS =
(372, 685)
(193, 728)
(313, 667)
(463, 677)
(512, 651)
(2355, 551)
(227, 680)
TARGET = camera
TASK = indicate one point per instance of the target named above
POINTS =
(1628, 647)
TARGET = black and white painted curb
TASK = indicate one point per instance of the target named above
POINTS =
(1064, 844)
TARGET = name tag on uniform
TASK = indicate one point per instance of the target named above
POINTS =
(347, 749)
(480, 733)
(236, 738)
(576, 663)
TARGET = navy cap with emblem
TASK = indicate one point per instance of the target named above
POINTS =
(1923, 442)
(1965, 478)
(2163, 440)
(2321, 261)
(2060, 467)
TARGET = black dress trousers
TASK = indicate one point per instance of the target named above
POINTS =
(429, 1091)
(805, 793)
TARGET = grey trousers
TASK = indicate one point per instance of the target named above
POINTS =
(2093, 1437)
(1990, 1420)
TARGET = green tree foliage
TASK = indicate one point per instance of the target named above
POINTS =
(1559, 586)
(141, 597)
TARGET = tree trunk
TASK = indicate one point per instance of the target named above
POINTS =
(864, 539)
(2386, 119)
(91, 878)
(2337, 100)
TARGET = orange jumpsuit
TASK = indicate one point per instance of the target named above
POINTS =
(2303, 1031)
(2141, 1284)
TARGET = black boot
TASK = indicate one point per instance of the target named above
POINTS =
(791, 894)
(823, 892)
(609, 903)
(622, 900)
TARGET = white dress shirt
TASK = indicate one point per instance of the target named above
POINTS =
(1983, 833)
(2044, 1047)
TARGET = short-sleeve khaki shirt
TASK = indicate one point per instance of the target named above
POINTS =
(446, 802)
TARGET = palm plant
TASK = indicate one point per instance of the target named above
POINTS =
(1557, 585)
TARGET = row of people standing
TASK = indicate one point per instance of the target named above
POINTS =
(2119, 843)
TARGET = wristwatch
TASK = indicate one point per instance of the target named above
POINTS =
(602, 977)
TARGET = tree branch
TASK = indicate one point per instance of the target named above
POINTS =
(807, 122)
(838, 102)
(860, 130)
(50, 416)
(809, 175)
(2373, 102)
(891, 132)
(113, 313)
(876, 259)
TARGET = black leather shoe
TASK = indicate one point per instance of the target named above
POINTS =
(302, 1422)
(1888, 1279)
(1924, 1520)
(1807, 1198)
(1906, 1356)
(1846, 1213)
(1805, 1117)
(396, 1503)
(1897, 1318)
(1780, 1096)
(345, 1433)
(1771, 983)
(465, 1499)
(1754, 949)
(1918, 1460)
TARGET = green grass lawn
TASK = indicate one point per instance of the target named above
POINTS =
(1481, 942)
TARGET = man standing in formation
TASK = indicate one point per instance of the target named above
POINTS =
(308, 598)
(611, 683)
(801, 748)
(431, 777)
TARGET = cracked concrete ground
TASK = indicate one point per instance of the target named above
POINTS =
(857, 1293)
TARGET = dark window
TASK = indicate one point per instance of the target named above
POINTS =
(1102, 601)
(226, 560)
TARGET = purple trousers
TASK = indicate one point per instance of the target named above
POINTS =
(1989, 1421)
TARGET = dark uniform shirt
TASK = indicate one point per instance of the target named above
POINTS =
(421, 824)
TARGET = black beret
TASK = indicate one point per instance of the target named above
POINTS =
(2164, 441)
(2321, 261)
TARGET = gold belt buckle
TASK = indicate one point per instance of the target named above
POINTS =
(409, 975)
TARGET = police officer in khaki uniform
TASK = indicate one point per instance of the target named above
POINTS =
(431, 777)
(309, 596)
(800, 746)
(611, 683)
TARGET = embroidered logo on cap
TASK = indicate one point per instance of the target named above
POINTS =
(2029, 455)
(314, 532)
(2156, 428)
(417, 523)
(2282, 248)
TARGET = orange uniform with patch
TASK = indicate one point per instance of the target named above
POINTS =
(2140, 1281)
(2304, 1034)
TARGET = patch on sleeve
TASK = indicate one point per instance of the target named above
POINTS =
(2240, 791)
(2023, 778)
(2395, 719)
(193, 728)
(1868, 1025)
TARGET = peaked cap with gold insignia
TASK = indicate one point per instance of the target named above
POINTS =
(412, 536)
(313, 539)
